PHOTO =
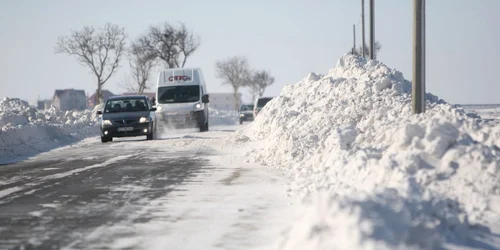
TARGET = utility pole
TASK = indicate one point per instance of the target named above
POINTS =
(354, 39)
(363, 28)
(423, 56)
(418, 84)
(372, 29)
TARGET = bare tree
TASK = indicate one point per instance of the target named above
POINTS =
(141, 63)
(100, 50)
(234, 72)
(260, 80)
(170, 44)
(187, 44)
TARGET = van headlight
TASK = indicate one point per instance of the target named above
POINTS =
(106, 122)
(197, 106)
(144, 119)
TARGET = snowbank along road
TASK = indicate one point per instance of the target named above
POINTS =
(178, 192)
(371, 174)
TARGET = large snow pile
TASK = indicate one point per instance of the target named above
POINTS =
(25, 131)
(371, 174)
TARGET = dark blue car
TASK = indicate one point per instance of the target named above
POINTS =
(126, 116)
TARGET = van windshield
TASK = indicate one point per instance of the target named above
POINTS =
(178, 94)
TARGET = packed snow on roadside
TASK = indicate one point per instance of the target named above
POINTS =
(369, 173)
(222, 117)
(25, 131)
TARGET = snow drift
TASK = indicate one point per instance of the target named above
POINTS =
(222, 117)
(25, 131)
(371, 174)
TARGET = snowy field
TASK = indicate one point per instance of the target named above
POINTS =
(489, 112)
(362, 171)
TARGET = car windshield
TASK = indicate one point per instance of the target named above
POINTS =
(246, 107)
(176, 94)
(125, 105)
(262, 102)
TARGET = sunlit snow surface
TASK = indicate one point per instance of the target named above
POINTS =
(372, 175)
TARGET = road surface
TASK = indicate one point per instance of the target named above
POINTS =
(174, 193)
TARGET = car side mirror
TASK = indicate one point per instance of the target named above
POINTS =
(152, 109)
(205, 99)
(99, 112)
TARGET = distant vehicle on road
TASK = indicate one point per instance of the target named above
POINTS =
(126, 116)
(182, 99)
(246, 113)
(259, 104)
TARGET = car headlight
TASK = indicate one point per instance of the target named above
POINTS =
(106, 122)
(144, 119)
(242, 115)
(197, 106)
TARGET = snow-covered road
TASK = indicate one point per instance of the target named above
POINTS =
(184, 191)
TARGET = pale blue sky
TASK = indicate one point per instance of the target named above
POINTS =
(291, 38)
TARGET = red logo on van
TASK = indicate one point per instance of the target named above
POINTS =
(179, 78)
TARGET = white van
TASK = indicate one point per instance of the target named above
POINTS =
(182, 99)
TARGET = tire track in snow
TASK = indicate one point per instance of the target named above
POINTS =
(37, 182)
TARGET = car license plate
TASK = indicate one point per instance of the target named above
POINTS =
(124, 129)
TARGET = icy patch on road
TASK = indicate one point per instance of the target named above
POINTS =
(131, 188)
(78, 170)
(371, 174)
(26, 131)
(36, 213)
(9, 191)
(50, 205)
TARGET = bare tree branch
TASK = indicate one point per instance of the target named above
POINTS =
(234, 72)
(359, 51)
(100, 51)
(128, 84)
(141, 63)
(171, 45)
(186, 42)
(261, 79)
